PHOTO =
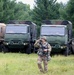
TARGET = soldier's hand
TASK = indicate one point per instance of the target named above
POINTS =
(37, 41)
(45, 50)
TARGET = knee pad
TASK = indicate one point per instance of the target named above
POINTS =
(39, 62)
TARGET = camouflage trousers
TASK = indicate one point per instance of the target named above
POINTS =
(45, 63)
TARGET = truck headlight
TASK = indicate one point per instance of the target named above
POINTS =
(62, 47)
(25, 43)
(6, 43)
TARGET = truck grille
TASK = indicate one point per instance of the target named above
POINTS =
(15, 41)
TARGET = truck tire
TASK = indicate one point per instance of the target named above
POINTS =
(67, 51)
(0, 48)
(73, 47)
(5, 50)
(28, 50)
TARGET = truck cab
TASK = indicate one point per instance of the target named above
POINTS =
(16, 35)
(59, 34)
(2, 33)
(20, 35)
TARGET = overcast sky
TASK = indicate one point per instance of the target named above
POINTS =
(31, 2)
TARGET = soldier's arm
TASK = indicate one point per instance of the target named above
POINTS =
(36, 43)
(49, 48)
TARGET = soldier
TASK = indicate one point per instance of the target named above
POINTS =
(44, 50)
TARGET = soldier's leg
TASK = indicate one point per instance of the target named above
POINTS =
(39, 61)
(45, 62)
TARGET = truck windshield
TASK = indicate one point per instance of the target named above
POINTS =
(53, 30)
(16, 29)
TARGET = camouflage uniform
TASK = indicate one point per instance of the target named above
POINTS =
(41, 57)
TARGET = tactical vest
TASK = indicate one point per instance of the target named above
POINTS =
(41, 51)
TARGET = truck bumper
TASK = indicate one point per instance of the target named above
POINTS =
(15, 45)
(58, 49)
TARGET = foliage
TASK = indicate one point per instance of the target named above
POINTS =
(22, 11)
(62, 11)
(45, 9)
(20, 64)
(6, 10)
(10, 10)
(70, 11)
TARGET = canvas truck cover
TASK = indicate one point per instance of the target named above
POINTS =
(2, 31)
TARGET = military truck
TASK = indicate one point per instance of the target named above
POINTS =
(20, 34)
(2, 32)
(73, 45)
(58, 34)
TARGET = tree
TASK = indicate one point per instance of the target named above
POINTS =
(70, 11)
(22, 11)
(62, 11)
(1, 9)
(10, 10)
(45, 9)
(6, 10)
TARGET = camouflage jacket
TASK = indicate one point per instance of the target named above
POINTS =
(40, 49)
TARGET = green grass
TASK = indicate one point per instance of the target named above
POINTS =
(23, 64)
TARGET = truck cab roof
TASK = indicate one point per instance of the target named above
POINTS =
(17, 24)
(2, 24)
(56, 22)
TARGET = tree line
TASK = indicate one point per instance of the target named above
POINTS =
(43, 10)
(11, 10)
